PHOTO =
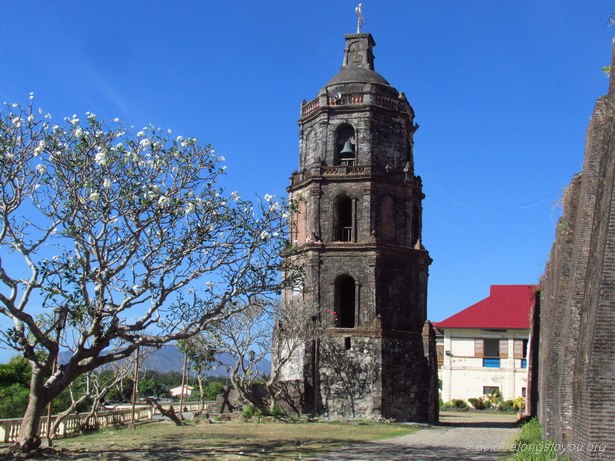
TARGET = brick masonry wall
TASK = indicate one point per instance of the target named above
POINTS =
(576, 365)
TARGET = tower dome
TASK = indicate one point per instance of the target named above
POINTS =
(358, 66)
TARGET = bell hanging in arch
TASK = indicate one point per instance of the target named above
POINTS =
(348, 149)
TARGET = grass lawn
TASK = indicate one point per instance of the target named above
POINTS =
(221, 441)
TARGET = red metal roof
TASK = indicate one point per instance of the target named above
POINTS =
(507, 307)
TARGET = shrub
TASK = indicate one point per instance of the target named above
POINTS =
(277, 412)
(531, 447)
(519, 403)
(507, 405)
(478, 403)
(460, 404)
(250, 411)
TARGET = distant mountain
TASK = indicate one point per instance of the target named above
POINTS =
(169, 358)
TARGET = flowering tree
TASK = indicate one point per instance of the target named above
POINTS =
(110, 241)
(279, 330)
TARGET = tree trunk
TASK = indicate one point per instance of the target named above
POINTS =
(201, 409)
(170, 413)
(29, 433)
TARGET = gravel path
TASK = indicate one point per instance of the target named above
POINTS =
(461, 436)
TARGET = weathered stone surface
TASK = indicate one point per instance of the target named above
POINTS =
(357, 231)
(576, 356)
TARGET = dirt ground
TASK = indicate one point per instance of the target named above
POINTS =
(459, 436)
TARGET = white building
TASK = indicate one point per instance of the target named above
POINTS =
(177, 391)
(485, 345)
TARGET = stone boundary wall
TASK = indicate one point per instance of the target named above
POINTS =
(576, 347)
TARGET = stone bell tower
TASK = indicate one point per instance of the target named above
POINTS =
(356, 228)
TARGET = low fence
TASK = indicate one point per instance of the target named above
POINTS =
(73, 424)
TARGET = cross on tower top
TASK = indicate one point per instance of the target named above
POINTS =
(360, 20)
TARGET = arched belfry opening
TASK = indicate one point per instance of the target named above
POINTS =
(345, 301)
(343, 219)
(345, 145)
(416, 225)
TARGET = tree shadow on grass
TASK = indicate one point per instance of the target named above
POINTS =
(175, 447)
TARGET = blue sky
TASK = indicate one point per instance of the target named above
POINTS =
(503, 92)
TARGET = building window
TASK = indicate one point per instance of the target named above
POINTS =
(343, 219)
(491, 357)
(523, 392)
(345, 301)
(345, 147)
(520, 351)
(487, 390)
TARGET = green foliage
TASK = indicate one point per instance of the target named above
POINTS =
(151, 387)
(455, 404)
(17, 371)
(460, 404)
(479, 403)
(507, 405)
(213, 389)
(250, 411)
(13, 401)
(277, 412)
(530, 445)
(14, 387)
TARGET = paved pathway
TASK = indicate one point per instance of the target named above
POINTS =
(461, 436)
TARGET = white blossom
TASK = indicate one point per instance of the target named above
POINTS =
(264, 235)
(235, 196)
(107, 183)
(31, 118)
(16, 122)
(31, 96)
(140, 134)
(116, 120)
(163, 200)
(94, 196)
(190, 208)
(91, 116)
(101, 158)
(210, 284)
(268, 197)
(40, 168)
(40, 147)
